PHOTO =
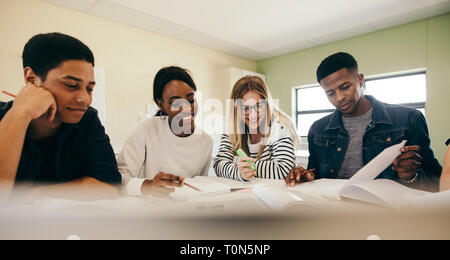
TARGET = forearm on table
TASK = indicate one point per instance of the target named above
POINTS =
(13, 128)
(86, 188)
(445, 182)
(445, 178)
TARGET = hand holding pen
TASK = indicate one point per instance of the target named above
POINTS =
(163, 184)
(299, 175)
(246, 165)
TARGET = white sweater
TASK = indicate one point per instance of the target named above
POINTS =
(153, 148)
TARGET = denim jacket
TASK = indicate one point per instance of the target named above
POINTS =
(390, 125)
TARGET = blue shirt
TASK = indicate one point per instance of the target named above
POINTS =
(75, 151)
(391, 124)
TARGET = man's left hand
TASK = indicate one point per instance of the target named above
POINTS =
(408, 163)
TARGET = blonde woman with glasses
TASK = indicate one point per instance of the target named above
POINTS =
(260, 130)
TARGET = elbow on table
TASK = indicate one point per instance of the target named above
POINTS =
(98, 188)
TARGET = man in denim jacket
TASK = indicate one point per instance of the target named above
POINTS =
(361, 128)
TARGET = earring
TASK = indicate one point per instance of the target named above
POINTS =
(164, 115)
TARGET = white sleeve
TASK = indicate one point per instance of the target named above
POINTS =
(133, 186)
(205, 169)
(207, 166)
(131, 161)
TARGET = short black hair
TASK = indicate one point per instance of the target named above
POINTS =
(335, 63)
(44, 52)
(448, 142)
(166, 75)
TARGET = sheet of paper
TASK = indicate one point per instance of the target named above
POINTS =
(234, 184)
(383, 192)
(276, 198)
(378, 164)
(206, 185)
(327, 189)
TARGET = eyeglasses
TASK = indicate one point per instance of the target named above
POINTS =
(259, 108)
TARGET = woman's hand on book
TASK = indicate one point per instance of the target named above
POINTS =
(162, 185)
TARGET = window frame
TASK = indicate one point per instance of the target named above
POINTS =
(416, 105)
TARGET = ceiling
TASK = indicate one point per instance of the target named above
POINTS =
(261, 29)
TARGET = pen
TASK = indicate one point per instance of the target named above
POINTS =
(308, 171)
(242, 154)
(9, 94)
(192, 187)
(223, 192)
(303, 173)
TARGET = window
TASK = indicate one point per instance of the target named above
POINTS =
(408, 90)
(405, 89)
(312, 104)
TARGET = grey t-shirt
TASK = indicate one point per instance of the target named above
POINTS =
(356, 128)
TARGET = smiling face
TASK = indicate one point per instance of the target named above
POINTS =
(71, 84)
(253, 111)
(179, 103)
(344, 90)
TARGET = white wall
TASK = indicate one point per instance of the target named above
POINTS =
(130, 56)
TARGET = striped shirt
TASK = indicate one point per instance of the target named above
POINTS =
(276, 162)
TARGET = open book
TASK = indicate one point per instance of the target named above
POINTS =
(277, 198)
(363, 186)
(212, 187)
(271, 193)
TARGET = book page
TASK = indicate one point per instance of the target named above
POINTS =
(363, 186)
(378, 164)
(235, 184)
(327, 189)
(382, 192)
(276, 198)
(215, 197)
(206, 185)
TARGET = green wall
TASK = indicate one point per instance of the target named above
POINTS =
(422, 44)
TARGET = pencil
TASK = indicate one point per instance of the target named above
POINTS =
(308, 171)
(303, 173)
(9, 94)
(192, 187)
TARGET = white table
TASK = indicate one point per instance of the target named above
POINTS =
(231, 216)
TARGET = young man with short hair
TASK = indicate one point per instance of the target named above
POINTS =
(50, 137)
(361, 128)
